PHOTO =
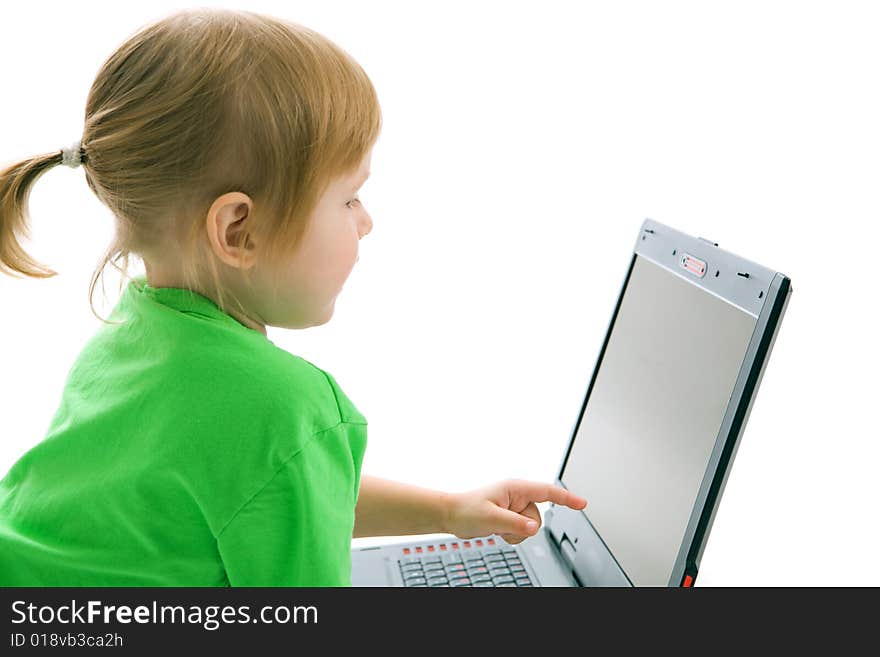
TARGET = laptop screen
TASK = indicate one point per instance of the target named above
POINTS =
(653, 414)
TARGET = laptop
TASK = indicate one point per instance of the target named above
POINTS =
(654, 438)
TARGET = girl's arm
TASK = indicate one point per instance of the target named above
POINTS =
(391, 508)
(507, 508)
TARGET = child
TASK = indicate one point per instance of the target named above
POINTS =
(189, 450)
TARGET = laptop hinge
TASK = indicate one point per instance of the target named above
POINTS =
(567, 550)
(560, 538)
(581, 550)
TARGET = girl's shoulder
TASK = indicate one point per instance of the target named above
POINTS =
(272, 380)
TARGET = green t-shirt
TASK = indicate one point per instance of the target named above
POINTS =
(187, 450)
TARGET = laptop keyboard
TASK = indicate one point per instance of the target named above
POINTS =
(476, 563)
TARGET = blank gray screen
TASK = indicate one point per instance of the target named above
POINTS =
(653, 415)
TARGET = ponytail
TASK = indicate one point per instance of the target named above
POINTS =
(15, 189)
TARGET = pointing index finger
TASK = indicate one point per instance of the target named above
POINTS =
(557, 495)
(567, 498)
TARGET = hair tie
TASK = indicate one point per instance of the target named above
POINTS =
(72, 157)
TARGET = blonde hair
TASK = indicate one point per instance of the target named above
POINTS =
(204, 102)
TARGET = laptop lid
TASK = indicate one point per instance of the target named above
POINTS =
(667, 402)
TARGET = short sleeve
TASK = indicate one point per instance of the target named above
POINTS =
(296, 530)
(347, 410)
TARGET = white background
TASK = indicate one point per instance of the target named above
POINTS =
(523, 145)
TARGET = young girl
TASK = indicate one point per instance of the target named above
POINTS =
(189, 450)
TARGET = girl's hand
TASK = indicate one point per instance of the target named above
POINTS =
(506, 508)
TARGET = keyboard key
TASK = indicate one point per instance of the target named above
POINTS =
(506, 584)
(517, 567)
(518, 583)
(412, 581)
(491, 551)
(522, 581)
(451, 557)
(460, 582)
(432, 581)
(478, 569)
(483, 583)
(474, 560)
(502, 580)
(431, 559)
(499, 569)
(481, 578)
(438, 586)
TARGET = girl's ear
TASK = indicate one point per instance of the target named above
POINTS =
(227, 227)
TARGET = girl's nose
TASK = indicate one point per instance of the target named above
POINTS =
(367, 225)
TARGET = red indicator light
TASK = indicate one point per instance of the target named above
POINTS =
(443, 546)
(419, 549)
(430, 548)
(491, 541)
(688, 580)
(406, 550)
(455, 546)
(479, 543)
(467, 544)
